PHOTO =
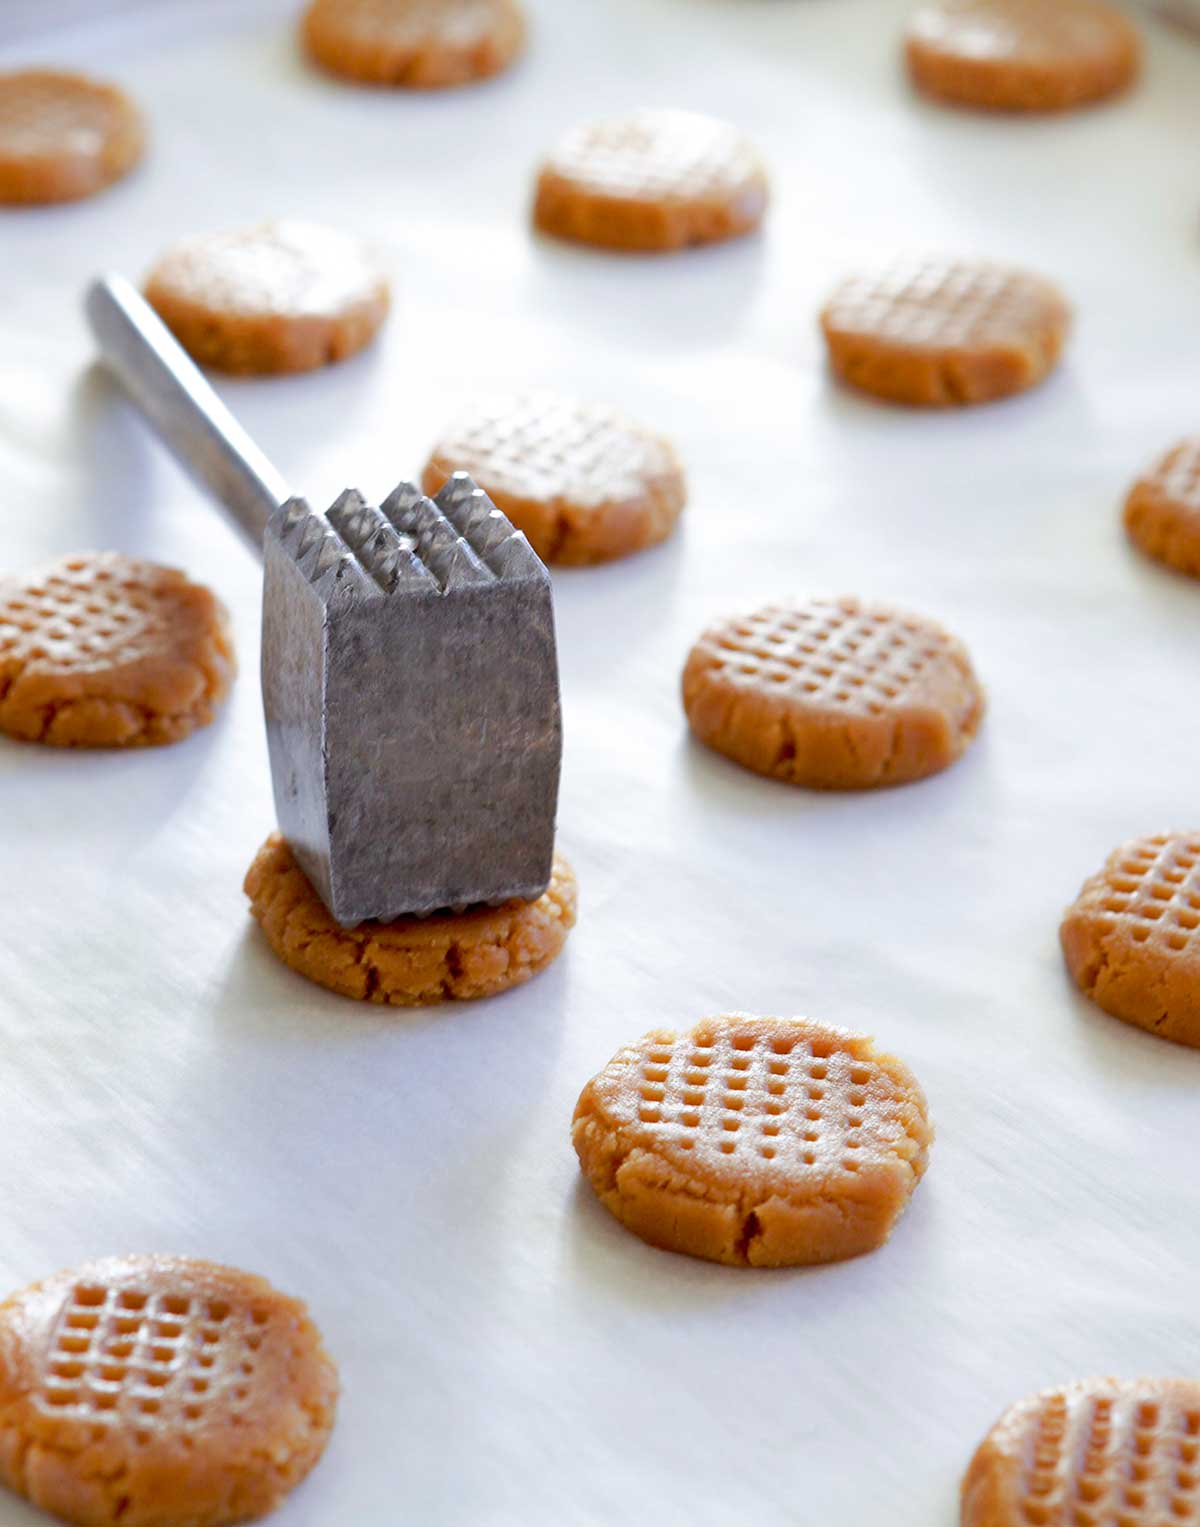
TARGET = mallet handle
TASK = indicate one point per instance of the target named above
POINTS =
(160, 378)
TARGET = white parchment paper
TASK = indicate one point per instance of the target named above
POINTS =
(511, 1357)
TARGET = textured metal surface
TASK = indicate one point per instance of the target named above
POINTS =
(409, 667)
(410, 682)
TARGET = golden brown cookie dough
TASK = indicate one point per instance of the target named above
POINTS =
(420, 44)
(1130, 938)
(412, 961)
(282, 297)
(1096, 1453)
(653, 181)
(160, 1392)
(1162, 512)
(1021, 55)
(63, 136)
(766, 1142)
(101, 651)
(834, 694)
(581, 480)
(936, 333)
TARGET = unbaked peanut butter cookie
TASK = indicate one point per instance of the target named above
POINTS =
(1162, 512)
(1132, 936)
(101, 650)
(411, 961)
(160, 1392)
(653, 181)
(1021, 55)
(581, 480)
(762, 1142)
(421, 44)
(1096, 1453)
(937, 333)
(63, 136)
(283, 297)
(834, 694)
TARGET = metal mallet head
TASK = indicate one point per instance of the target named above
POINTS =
(409, 669)
(410, 684)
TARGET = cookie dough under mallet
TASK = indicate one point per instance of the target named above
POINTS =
(410, 674)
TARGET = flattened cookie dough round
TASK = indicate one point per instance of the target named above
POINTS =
(282, 297)
(1132, 936)
(937, 333)
(1162, 512)
(63, 136)
(762, 1142)
(653, 181)
(1105, 1452)
(1021, 55)
(582, 481)
(833, 694)
(101, 650)
(421, 44)
(160, 1392)
(412, 961)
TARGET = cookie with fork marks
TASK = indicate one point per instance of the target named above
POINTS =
(653, 181)
(1021, 55)
(1131, 938)
(761, 1142)
(1095, 1453)
(938, 333)
(833, 694)
(63, 136)
(585, 483)
(105, 651)
(158, 1391)
(416, 44)
(1162, 511)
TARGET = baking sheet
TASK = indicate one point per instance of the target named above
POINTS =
(510, 1355)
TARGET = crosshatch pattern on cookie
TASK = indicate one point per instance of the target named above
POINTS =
(42, 112)
(936, 303)
(293, 268)
(414, 23)
(657, 156)
(88, 611)
(1162, 509)
(1019, 30)
(1098, 1454)
(803, 1100)
(63, 136)
(1174, 480)
(1153, 892)
(543, 447)
(834, 653)
(1178, 474)
(155, 1359)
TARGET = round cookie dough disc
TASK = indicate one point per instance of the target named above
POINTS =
(1021, 55)
(1132, 937)
(1162, 512)
(653, 181)
(765, 1142)
(1104, 1452)
(283, 297)
(160, 1392)
(421, 44)
(584, 483)
(101, 650)
(413, 961)
(936, 333)
(63, 136)
(833, 694)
